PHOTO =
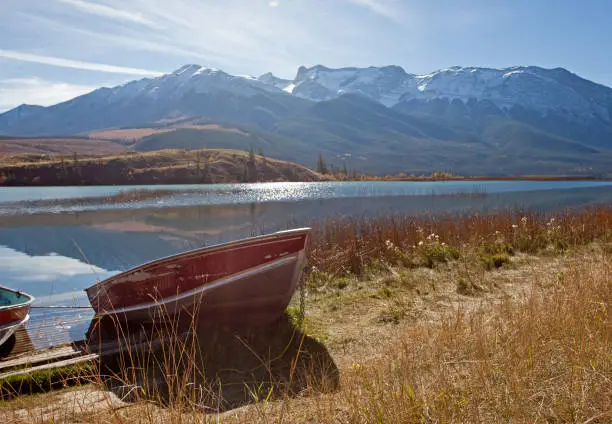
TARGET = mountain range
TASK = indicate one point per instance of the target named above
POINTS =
(518, 120)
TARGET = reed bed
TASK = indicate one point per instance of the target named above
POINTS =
(351, 246)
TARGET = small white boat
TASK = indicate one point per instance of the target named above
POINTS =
(14, 312)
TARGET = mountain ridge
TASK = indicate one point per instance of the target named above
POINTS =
(453, 118)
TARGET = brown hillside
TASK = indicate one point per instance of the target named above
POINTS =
(131, 134)
(12, 146)
(158, 167)
(135, 134)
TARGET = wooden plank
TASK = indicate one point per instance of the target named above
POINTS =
(23, 344)
(57, 364)
(39, 357)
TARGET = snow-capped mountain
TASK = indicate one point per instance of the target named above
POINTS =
(280, 83)
(530, 87)
(191, 90)
(187, 79)
(385, 84)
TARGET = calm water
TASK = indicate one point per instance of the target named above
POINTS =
(56, 241)
(31, 200)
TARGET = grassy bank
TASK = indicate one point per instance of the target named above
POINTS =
(496, 318)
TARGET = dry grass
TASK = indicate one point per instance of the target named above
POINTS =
(131, 134)
(544, 359)
(342, 247)
(211, 127)
(420, 333)
(135, 134)
(15, 150)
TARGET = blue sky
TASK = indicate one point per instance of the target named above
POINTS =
(53, 50)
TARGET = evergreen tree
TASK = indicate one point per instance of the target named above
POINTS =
(245, 173)
(321, 165)
(251, 166)
(198, 161)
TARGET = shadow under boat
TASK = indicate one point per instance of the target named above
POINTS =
(184, 362)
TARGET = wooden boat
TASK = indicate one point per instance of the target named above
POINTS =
(249, 281)
(14, 312)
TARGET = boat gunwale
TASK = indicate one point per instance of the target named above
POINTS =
(27, 303)
(211, 248)
(202, 288)
(12, 324)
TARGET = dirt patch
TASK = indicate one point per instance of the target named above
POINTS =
(67, 406)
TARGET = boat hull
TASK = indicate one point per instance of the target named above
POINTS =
(250, 281)
(14, 312)
(7, 330)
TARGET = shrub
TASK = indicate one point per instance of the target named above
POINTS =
(496, 260)
(433, 251)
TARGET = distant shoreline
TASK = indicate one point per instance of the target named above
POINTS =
(489, 178)
(362, 179)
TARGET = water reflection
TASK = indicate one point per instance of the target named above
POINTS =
(54, 280)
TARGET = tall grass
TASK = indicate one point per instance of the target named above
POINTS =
(341, 246)
(190, 366)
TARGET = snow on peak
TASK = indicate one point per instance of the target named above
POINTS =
(204, 70)
(528, 86)
(187, 69)
(322, 83)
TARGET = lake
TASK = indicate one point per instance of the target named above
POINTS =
(55, 241)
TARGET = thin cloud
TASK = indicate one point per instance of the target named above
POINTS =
(384, 8)
(274, 4)
(159, 43)
(37, 91)
(109, 12)
(75, 64)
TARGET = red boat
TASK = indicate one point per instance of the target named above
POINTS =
(14, 312)
(250, 281)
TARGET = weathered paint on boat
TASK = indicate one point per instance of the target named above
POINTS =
(250, 279)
